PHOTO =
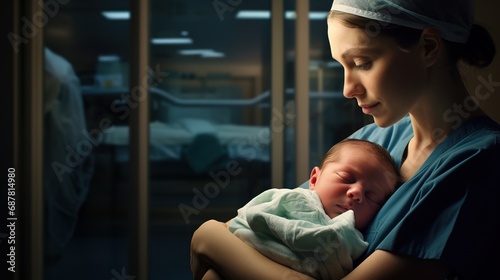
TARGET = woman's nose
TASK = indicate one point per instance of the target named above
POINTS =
(352, 87)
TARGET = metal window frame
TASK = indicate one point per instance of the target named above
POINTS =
(277, 124)
(302, 91)
(139, 140)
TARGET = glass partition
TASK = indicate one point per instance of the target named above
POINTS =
(209, 130)
(210, 109)
(209, 120)
(86, 189)
(331, 116)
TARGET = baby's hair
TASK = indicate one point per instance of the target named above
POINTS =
(373, 148)
(478, 51)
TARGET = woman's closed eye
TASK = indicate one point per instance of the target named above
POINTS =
(363, 66)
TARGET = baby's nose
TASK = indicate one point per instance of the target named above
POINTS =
(355, 193)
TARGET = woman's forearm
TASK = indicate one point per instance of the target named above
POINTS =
(386, 265)
(216, 247)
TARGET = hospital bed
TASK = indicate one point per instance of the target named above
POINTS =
(194, 136)
(187, 136)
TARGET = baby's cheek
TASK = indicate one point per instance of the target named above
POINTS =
(363, 216)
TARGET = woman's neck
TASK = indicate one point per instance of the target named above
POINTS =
(435, 116)
(440, 111)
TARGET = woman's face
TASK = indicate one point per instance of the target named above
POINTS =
(385, 80)
(356, 180)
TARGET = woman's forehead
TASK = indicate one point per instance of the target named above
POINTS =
(343, 38)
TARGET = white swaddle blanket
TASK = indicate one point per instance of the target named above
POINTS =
(291, 228)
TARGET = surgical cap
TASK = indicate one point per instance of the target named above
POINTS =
(453, 18)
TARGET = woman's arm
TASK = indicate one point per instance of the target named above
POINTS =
(214, 246)
(386, 265)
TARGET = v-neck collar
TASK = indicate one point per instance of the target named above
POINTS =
(464, 130)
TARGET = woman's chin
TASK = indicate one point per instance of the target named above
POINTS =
(384, 121)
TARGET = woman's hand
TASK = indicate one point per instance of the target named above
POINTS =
(213, 246)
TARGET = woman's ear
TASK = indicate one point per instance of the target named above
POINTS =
(313, 179)
(432, 44)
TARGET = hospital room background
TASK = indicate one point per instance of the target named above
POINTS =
(144, 119)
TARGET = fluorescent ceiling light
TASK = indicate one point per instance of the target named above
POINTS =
(262, 14)
(290, 15)
(202, 52)
(171, 41)
(243, 14)
(333, 64)
(247, 14)
(318, 15)
(312, 15)
(116, 15)
(213, 54)
(109, 57)
(195, 51)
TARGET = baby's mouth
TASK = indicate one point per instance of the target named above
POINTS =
(344, 208)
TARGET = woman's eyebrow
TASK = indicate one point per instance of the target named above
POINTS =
(346, 53)
(359, 51)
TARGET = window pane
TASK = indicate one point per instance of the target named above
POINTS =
(331, 116)
(209, 126)
(86, 179)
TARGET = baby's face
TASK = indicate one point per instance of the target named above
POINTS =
(356, 180)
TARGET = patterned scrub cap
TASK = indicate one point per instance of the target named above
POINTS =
(453, 18)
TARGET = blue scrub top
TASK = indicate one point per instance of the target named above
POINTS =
(449, 209)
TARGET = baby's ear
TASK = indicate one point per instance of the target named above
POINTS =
(314, 177)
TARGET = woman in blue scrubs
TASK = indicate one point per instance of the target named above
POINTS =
(400, 62)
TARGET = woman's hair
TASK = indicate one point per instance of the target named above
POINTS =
(478, 51)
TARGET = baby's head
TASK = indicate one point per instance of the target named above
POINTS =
(355, 174)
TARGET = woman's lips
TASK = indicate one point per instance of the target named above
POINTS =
(367, 109)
